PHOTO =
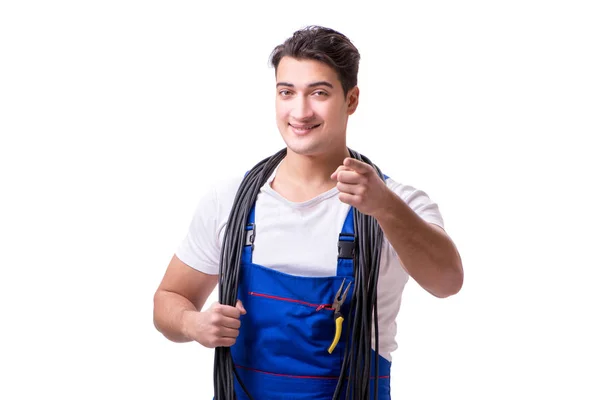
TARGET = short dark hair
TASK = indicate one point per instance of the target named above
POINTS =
(322, 44)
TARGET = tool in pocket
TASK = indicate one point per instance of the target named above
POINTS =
(340, 297)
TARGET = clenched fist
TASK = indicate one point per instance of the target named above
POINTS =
(361, 187)
(218, 326)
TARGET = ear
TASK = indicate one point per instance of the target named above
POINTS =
(352, 100)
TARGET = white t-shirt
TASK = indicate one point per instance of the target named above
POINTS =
(300, 238)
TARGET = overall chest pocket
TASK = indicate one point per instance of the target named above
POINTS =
(292, 320)
(290, 332)
(315, 306)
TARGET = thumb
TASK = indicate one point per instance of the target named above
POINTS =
(240, 307)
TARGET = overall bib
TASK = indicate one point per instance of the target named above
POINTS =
(282, 348)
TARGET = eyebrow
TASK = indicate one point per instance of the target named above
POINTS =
(310, 85)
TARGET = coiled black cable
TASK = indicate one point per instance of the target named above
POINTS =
(356, 365)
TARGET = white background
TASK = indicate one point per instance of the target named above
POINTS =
(115, 116)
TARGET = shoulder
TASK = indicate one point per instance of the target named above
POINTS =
(403, 190)
(225, 190)
(216, 200)
(418, 200)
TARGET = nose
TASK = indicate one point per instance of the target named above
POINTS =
(301, 109)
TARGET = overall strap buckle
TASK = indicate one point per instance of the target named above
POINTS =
(250, 234)
(346, 245)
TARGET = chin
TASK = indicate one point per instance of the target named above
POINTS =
(304, 149)
(303, 146)
(310, 144)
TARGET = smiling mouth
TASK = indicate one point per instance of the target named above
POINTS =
(304, 128)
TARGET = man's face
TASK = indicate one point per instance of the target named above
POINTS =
(312, 111)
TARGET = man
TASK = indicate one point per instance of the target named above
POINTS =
(282, 332)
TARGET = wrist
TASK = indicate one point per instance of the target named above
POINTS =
(386, 207)
(185, 324)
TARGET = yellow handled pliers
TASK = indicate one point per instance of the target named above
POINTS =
(337, 316)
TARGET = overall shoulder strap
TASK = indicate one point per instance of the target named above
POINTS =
(346, 245)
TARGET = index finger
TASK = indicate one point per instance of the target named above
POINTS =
(230, 311)
(358, 166)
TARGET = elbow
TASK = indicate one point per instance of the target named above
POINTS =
(446, 289)
(449, 271)
(453, 281)
(449, 282)
(450, 288)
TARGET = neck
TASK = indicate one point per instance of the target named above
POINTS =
(313, 170)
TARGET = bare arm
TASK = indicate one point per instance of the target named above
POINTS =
(182, 289)
(426, 251)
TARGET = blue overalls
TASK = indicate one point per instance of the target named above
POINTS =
(282, 349)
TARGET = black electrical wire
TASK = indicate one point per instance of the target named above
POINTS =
(356, 365)
(231, 252)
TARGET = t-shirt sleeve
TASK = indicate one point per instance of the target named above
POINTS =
(418, 201)
(200, 248)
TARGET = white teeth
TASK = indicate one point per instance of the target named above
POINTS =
(305, 128)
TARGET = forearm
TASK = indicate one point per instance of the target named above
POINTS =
(427, 254)
(169, 315)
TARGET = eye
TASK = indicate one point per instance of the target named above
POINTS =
(320, 93)
(285, 92)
